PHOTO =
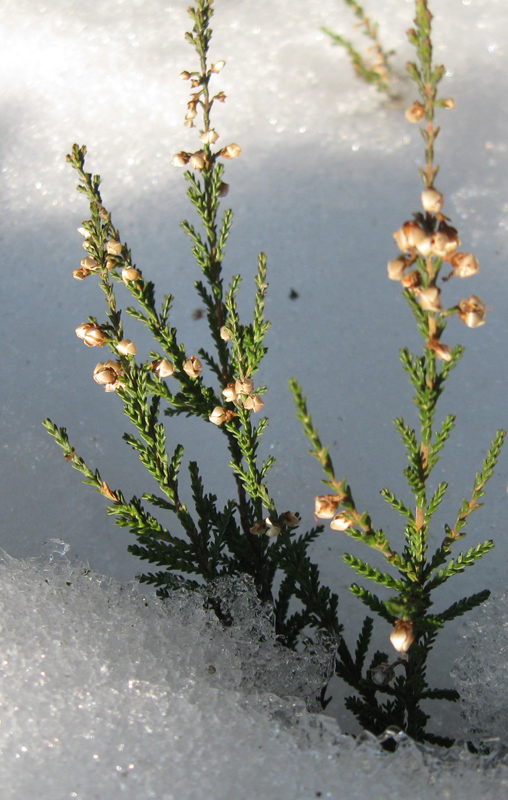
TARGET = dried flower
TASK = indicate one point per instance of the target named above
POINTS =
(180, 159)
(106, 374)
(225, 334)
(229, 393)
(415, 113)
(432, 200)
(80, 274)
(259, 528)
(448, 102)
(472, 312)
(231, 151)
(402, 636)
(197, 161)
(325, 506)
(245, 386)
(382, 674)
(253, 403)
(84, 232)
(114, 247)
(445, 241)
(289, 519)
(411, 280)
(185, 75)
(396, 268)
(464, 264)
(271, 528)
(127, 348)
(341, 523)
(110, 263)
(163, 368)
(218, 66)
(193, 367)
(442, 351)
(221, 97)
(91, 334)
(430, 299)
(409, 236)
(218, 415)
(209, 137)
(130, 274)
(223, 189)
(90, 264)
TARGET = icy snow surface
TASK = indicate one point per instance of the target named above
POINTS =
(108, 694)
(328, 172)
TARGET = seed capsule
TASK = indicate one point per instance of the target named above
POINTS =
(442, 351)
(209, 137)
(246, 386)
(225, 334)
(253, 403)
(90, 264)
(229, 393)
(197, 161)
(409, 236)
(218, 415)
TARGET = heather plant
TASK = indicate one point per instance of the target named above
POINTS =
(373, 66)
(429, 257)
(188, 537)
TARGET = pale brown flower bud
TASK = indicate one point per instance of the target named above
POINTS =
(464, 264)
(87, 245)
(430, 299)
(409, 236)
(84, 232)
(163, 368)
(402, 636)
(340, 523)
(325, 506)
(209, 137)
(218, 66)
(245, 386)
(130, 274)
(193, 367)
(91, 334)
(472, 312)
(127, 348)
(415, 113)
(229, 393)
(231, 151)
(185, 75)
(110, 263)
(114, 248)
(396, 268)
(442, 351)
(191, 113)
(432, 200)
(197, 161)
(218, 415)
(180, 159)
(449, 102)
(90, 264)
(253, 403)
(225, 334)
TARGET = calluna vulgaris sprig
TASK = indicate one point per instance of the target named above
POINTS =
(375, 67)
(429, 247)
(217, 386)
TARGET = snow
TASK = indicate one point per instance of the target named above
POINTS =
(107, 693)
(328, 172)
